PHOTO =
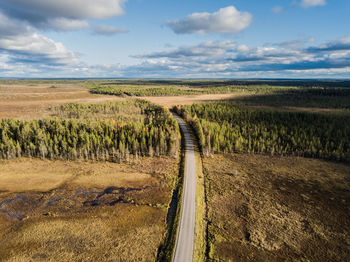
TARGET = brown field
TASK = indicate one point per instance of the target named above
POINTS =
(189, 100)
(171, 101)
(263, 208)
(84, 211)
(34, 101)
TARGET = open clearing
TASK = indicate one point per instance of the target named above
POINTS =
(264, 208)
(83, 211)
(34, 101)
(189, 100)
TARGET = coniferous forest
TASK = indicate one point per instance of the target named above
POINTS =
(225, 127)
(108, 131)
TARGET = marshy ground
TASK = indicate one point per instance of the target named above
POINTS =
(263, 208)
(260, 208)
(83, 211)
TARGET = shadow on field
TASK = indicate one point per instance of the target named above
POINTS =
(338, 98)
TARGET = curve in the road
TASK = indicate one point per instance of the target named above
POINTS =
(186, 233)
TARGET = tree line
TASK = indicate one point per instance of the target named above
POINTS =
(80, 137)
(168, 90)
(303, 97)
(225, 127)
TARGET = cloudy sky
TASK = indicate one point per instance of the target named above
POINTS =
(171, 39)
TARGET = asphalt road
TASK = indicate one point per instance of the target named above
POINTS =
(185, 238)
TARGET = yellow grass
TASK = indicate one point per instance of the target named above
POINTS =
(43, 175)
(170, 101)
(116, 179)
(47, 210)
(200, 245)
(18, 175)
(127, 235)
(34, 101)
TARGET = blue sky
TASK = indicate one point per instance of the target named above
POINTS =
(163, 38)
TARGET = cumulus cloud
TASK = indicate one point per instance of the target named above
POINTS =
(206, 49)
(77, 9)
(227, 59)
(24, 50)
(342, 44)
(296, 44)
(61, 15)
(108, 30)
(21, 45)
(65, 24)
(225, 20)
(312, 3)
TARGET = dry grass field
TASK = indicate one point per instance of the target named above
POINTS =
(84, 211)
(190, 99)
(34, 101)
(28, 101)
(263, 208)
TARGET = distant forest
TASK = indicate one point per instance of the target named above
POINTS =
(109, 132)
(300, 93)
(230, 82)
(227, 127)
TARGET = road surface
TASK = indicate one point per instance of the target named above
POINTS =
(185, 238)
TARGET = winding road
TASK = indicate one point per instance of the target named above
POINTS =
(186, 234)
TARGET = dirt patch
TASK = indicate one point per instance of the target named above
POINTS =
(264, 208)
(87, 211)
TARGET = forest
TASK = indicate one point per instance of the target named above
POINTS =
(223, 127)
(169, 90)
(113, 131)
(317, 97)
(143, 91)
(320, 94)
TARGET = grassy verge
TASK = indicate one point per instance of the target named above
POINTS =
(167, 247)
(200, 244)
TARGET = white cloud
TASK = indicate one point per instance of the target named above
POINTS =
(342, 44)
(243, 49)
(20, 43)
(9, 27)
(312, 3)
(37, 48)
(74, 9)
(66, 24)
(26, 51)
(226, 59)
(225, 20)
(108, 30)
(63, 14)
(206, 49)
